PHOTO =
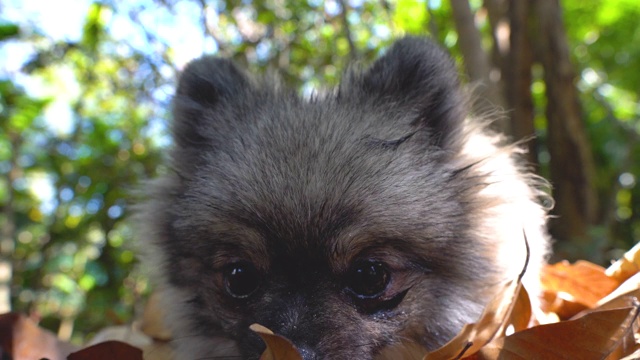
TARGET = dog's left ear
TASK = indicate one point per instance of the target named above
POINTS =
(209, 93)
(415, 76)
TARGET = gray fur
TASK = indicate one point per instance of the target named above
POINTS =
(386, 167)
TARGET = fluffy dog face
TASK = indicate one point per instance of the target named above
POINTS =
(346, 223)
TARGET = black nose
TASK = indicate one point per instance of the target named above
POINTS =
(307, 353)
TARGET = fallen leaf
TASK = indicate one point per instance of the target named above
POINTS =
(622, 301)
(627, 266)
(22, 339)
(598, 335)
(278, 347)
(543, 318)
(108, 350)
(628, 288)
(634, 356)
(519, 317)
(493, 320)
(563, 304)
(583, 282)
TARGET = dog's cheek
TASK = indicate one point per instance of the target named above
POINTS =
(186, 272)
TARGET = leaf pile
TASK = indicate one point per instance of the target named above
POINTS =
(585, 312)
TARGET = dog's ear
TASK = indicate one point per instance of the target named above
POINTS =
(208, 91)
(418, 77)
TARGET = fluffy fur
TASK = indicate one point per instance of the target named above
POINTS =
(386, 168)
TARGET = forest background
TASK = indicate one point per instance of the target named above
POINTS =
(85, 97)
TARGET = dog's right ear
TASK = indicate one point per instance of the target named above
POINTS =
(417, 77)
(208, 91)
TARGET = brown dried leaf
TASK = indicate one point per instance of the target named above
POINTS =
(583, 282)
(278, 347)
(520, 316)
(627, 266)
(493, 321)
(108, 350)
(631, 287)
(543, 318)
(564, 305)
(634, 356)
(21, 338)
(622, 301)
(598, 335)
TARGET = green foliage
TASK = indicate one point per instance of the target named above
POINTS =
(8, 31)
(71, 181)
(94, 27)
(605, 35)
(411, 16)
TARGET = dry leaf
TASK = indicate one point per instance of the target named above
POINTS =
(627, 266)
(582, 283)
(520, 316)
(108, 350)
(622, 301)
(543, 318)
(628, 288)
(634, 356)
(598, 335)
(562, 304)
(22, 339)
(493, 320)
(278, 347)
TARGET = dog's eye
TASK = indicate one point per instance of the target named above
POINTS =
(241, 279)
(368, 279)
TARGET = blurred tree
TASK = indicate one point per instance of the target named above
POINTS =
(69, 184)
(19, 117)
(478, 64)
(7, 226)
(571, 166)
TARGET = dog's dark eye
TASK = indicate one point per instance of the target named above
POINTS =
(368, 279)
(241, 279)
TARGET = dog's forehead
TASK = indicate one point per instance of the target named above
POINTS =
(285, 224)
(305, 175)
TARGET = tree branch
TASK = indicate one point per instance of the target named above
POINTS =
(353, 51)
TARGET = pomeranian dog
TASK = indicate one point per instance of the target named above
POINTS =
(348, 222)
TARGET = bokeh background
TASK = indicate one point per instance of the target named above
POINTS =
(85, 97)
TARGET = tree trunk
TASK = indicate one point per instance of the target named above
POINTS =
(497, 12)
(476, 61)
(572, 167)
(518, 78)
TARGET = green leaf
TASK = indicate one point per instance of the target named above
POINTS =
(8, 31)
(411, 16)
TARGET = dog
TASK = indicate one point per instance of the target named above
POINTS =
(349, 221)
